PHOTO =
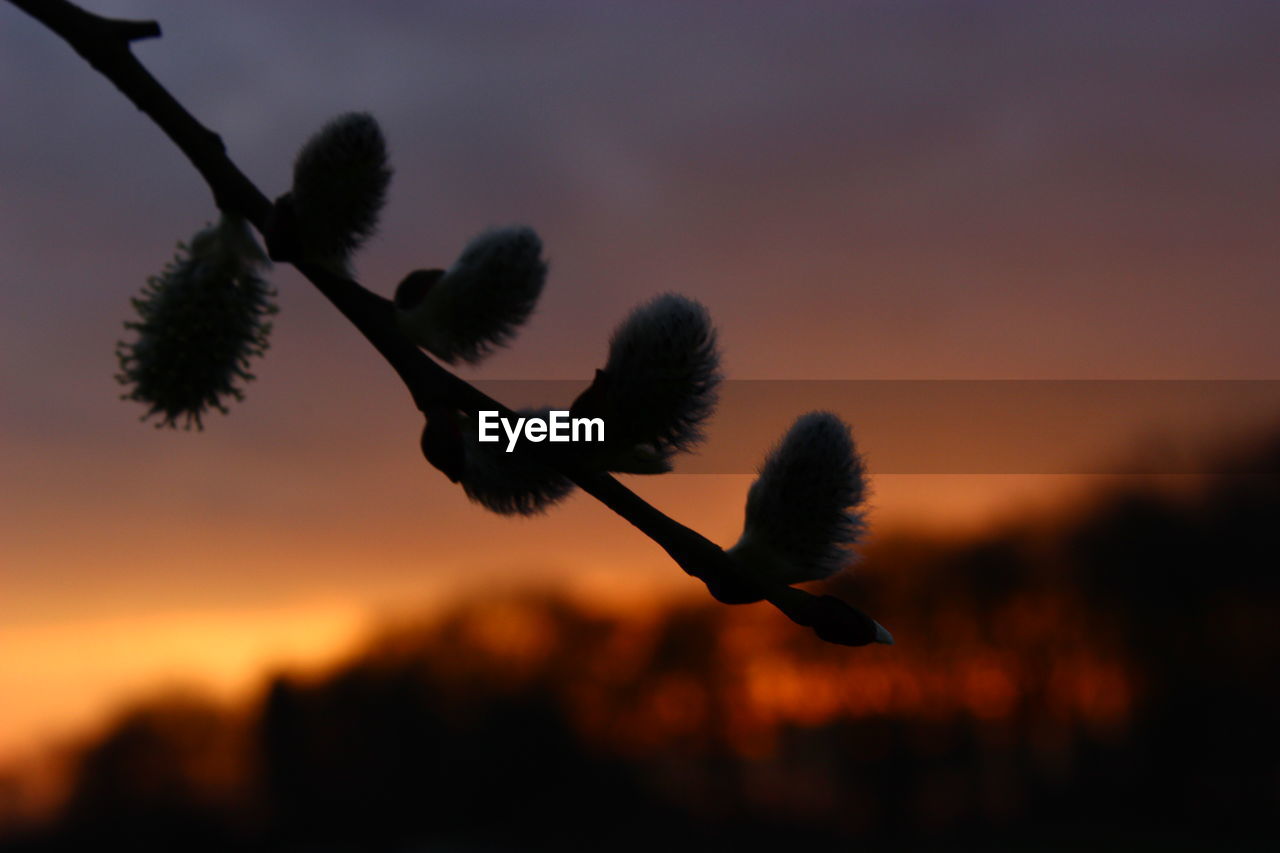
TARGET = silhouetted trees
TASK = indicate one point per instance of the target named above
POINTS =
(1110, 677)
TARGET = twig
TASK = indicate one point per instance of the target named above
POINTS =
(105, 44)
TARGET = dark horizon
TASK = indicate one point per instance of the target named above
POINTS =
(1101, 680)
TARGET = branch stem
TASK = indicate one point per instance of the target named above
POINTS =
(106, 44)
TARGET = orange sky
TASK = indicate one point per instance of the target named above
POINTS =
(856, 191)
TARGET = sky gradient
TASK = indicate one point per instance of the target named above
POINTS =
(906, 190)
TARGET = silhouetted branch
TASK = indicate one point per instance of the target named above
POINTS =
(105, 44)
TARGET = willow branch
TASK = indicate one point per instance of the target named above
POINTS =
(106, 44)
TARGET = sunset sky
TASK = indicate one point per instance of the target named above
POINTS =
(856, 190)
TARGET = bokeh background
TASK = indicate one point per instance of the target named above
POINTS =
(288, 628)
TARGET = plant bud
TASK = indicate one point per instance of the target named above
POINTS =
(465, 312)
(200, 323)
(340, 183)
(804, 509)
(658, 387)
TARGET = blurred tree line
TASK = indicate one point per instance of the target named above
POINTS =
(1106, 679)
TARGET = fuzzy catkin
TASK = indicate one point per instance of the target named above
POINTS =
(340, 181)
(659, 385)
(480, 302)
(201, 321)
(804, 510)
(509, 483)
